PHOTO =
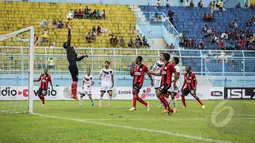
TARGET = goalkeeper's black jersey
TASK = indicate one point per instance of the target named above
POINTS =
(70, 51)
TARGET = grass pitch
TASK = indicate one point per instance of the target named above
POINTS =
(67, 122)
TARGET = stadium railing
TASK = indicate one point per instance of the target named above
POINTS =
(215, 65)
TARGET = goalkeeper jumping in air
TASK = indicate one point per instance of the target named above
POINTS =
(72, 59)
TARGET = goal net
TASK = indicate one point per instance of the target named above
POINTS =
(17, 71)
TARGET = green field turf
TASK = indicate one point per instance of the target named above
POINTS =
(75, 124)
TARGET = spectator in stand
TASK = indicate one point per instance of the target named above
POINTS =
(145, 42)
(75, 14)
(60, 24)
(191, 5)
(238, 5)
(187, 5)
(86, 10)
(94, 14)
(104, 14)
(208, 18)
(94, 30)
(171, 16)
(44, 23)
(51, 64)
(45, 36)
(214, 5)
(98, 14)
(130, 43)
(221, 44)
(171, 46)
(54, 22)
(248, 23)
(80, 13)
(115, 41)
(122, 42)
(220, 4)
(167, 3)
(137, 38)
(231, 24)
(93, 36)
(158, 3)
(137, 43)
(245, 6)
(200, 4)
(211, 8)
(112, 41)
(251, 6)
(235, 24)
(181, 40)
(88, 38)
(99, 30)
(205, 28)
(224, 35)
(90, 14)
(36, 39)
(201, 44)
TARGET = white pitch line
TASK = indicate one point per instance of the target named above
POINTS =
(137, 129)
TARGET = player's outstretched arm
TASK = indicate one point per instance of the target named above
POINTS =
(81, 57)
(38, 79)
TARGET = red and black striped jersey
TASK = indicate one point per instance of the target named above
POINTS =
(45, 79)
(190, 80)
(138, 73)
(166, 73)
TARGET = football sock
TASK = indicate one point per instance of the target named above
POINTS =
(164, 101)
(134, 100)
(183, 101)
(109, 100)
(198, 100)
(100, 101)
(142, 101)
(91, 100)
(174, 103)
(43, 100)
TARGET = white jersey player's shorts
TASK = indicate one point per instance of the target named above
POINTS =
(87, 91)
(173, 90)
(106, 87)
(157, 83)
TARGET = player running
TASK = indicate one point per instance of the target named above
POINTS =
(87, 83)
(166, 73)
(106, 79)
(173, 91)
(72, 59)
(157, 79)
(45, 79)
(191, 85)
(138, 73)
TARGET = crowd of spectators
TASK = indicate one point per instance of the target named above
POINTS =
(234, 39)
(138, 43)
(88, 13)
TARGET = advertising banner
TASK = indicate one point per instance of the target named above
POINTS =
(239, 93)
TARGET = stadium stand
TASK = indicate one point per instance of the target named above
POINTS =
(16, 15)
(190, 22)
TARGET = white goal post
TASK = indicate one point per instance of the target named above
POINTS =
(31, 61)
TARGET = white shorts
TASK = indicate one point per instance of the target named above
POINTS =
(173, 90)
(87, 91)
(157, 83)
(106, 87)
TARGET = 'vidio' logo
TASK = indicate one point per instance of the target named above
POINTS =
(8, 91)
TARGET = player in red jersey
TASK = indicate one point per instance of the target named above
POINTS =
(138, 73)
(166, 81)
(45, 79)
(191, 86)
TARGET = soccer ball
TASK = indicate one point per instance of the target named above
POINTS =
(69, 16)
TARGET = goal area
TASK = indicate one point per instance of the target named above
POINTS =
(17, 60)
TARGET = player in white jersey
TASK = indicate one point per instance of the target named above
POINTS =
(87, 83)
(106, 80)
(173, 91)
(157, 79)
